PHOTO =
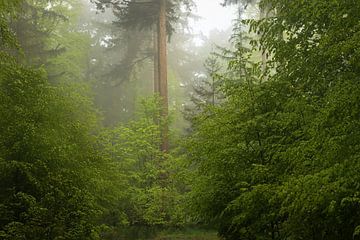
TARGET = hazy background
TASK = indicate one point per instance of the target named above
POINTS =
(213, 16)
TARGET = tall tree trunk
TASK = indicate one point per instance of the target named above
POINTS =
(162, 65)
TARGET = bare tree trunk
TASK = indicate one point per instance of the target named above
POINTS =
(162, 65)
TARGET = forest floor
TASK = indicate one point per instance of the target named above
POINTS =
(188, 235)
(146, 233)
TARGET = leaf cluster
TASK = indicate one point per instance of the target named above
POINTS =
(279, 158)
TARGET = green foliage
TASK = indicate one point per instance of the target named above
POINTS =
(60, 177)
(7, 10)
(143, 15)
(46, 155)
(279, 158)
(34, 26)
(146, 183)
(206, 88)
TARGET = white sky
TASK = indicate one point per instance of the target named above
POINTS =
(214, 16)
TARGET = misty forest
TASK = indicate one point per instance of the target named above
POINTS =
(179, 119)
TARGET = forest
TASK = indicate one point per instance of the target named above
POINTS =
(118, 121)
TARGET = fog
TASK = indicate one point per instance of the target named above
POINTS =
(212, 16)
